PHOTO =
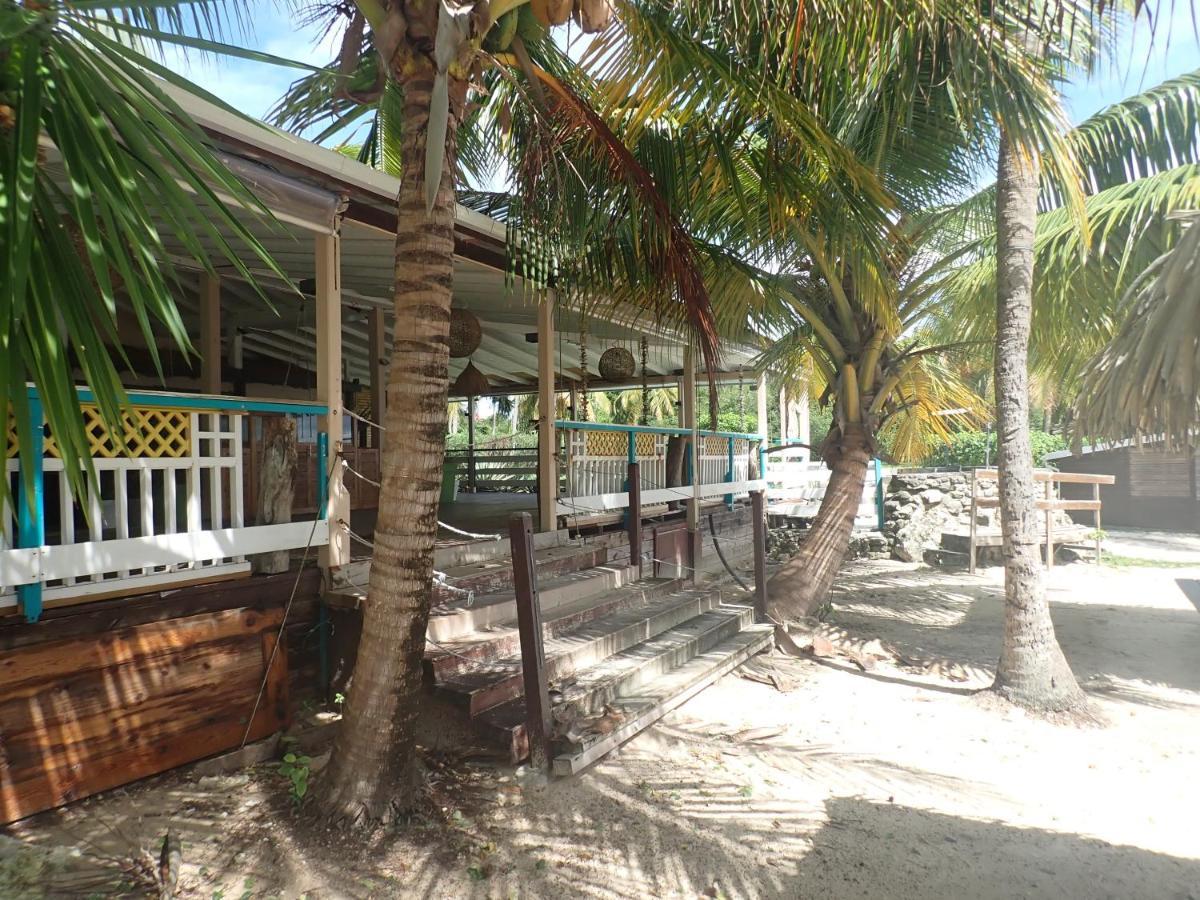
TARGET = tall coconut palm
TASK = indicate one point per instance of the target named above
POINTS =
(423, 61)
(99, 167)
(1139, 163)
(861, 313)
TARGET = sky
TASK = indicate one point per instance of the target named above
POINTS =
(253, 88)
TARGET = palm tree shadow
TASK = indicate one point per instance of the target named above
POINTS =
(906, 852)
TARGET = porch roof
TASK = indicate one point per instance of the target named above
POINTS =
(283, 339)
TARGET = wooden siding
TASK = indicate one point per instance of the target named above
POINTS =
(100, 707)
(1154, 490)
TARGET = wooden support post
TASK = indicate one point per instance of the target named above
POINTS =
(783, 416)
(634, 521)
(1096, 520)
(760, 396)
(471, 443)
(533, 653)
(210, 333)
(974, 525)
(377, 341)
(547, 478)
(329, 392)
(690, 421)
(758, 509)
(1049, 524)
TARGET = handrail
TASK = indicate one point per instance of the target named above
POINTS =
(567, 424)
(207, 402)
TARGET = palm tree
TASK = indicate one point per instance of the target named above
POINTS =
(411, 67)
(860, 312)
(656, 405)
(85, 216)
(1147, 381)
(1032, 669)
(1138, 159)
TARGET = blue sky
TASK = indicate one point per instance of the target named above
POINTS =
(254, 87)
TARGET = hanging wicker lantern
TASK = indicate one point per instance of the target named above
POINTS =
(470, 383)
(616, 364)
(465, 333)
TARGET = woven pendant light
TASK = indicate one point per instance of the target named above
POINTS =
(465, 333)
(470, 383)
(616, 364)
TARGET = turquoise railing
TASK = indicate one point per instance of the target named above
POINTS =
(31, 529)
(633, 430)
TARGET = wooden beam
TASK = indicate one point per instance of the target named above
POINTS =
(378, 366)
(329, 391)
(547, 440)
(760, 396)
(691, 421)
(210, 333)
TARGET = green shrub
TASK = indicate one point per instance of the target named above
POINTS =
(973, 448)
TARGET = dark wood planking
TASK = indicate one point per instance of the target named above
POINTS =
(91, 712)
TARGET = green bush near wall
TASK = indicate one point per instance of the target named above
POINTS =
(974, 448)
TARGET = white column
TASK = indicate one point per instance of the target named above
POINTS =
(329, 392)
(760, 395)
(764, 429)
(783, 417)
(802, 432)
(377, 347)
(547, 459)
(210, 333)
(690, 422)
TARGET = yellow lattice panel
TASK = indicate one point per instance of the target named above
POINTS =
(10, 440)
(607, 443)
(150, 433)
(616, 443)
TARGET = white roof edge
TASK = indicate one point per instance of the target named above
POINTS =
(298, 150)
(1083, 451)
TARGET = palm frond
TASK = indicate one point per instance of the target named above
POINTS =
(1147, 381)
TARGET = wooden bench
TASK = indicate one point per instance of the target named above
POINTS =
(1050, 504)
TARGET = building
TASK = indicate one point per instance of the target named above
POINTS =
(1154, 488)
(133, 636)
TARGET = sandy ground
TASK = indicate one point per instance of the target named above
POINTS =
(880, 783)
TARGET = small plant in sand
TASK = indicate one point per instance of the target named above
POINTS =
(295, 767)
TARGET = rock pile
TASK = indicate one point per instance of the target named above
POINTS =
(920, 506)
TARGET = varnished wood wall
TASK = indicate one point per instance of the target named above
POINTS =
(84, 707)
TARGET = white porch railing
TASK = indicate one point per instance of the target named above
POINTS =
(166, 507)
(796, 486)
(597, 458)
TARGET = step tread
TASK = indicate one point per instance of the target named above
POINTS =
(500, 631)
(622, 666)
(564, 644)
(504, 563)
(632, 658)
(663, 694)
(545, 586)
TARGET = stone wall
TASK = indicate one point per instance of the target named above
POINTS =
(919, 506)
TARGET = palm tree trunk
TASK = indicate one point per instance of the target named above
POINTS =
(1032, 670)
(371, 775)
(800, 588)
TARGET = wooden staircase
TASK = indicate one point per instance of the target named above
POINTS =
(620, 651)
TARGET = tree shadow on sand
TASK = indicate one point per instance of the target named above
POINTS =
(1121, 652)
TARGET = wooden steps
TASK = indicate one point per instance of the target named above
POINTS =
(466, 615)
(642, 709)
(448, 657)
(620, 675)
(500, 680)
